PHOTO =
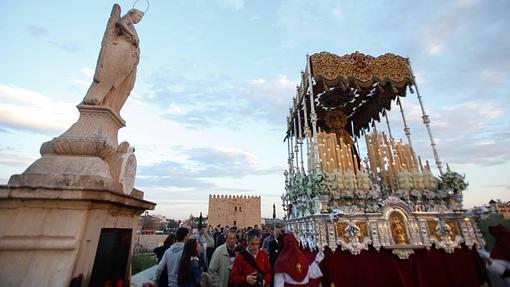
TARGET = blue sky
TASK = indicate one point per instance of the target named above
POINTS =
(215, 80)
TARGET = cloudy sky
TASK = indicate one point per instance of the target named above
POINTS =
(215, 80)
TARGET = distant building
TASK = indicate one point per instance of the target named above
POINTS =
(479, 212)
(494, 206)
(269, 222)
(151, 222)
(503, 208)
(234, 210)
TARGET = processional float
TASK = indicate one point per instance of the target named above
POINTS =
(350, 183)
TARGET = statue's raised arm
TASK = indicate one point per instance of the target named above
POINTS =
(115, 73)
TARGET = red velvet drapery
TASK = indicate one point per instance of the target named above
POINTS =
(424, 268)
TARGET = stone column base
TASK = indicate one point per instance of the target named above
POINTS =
(50, 236)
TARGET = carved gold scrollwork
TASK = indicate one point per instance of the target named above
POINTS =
(432, 224)
(340, 228)
(363, 69)
(454, 228)
(363, 229)
(432, 228)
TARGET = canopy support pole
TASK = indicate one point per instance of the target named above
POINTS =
(296, 147)
(313, 115)
(291, 154)
(300, 133)
(307, 135)
(426, 121)
(388, 124)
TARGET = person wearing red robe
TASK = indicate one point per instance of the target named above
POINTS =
(293, 268)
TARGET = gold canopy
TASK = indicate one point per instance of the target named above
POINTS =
(362, 70)
(359, 85)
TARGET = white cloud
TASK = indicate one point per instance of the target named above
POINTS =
(21, 108)
(437, 35)
(434, 47)
(276, 91)
(88, 72)
(467, 118)
(86, 79)
(12, 158)
(22, 96)
(491, 76)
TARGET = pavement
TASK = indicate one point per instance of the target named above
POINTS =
(145, 276)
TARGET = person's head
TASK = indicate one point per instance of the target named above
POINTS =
(191, 249)
(238, 250)
(182, 234)
(253, 239)
(277, 232)
(231, 238)
(136, 15)
(170, 239)
(256, 226)
(201, 229)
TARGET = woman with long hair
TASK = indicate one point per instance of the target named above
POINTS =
(189, 269)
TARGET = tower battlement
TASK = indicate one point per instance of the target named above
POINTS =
(234, 210)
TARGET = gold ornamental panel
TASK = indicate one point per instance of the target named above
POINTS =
(398, 228)
(363, 229)
(432, 228)
(432, 224)
(454, 228)
(364, 69)
(340, 227)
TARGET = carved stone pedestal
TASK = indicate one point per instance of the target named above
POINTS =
(87, 155)
(50, 236)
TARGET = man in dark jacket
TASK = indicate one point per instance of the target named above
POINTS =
(274, 246)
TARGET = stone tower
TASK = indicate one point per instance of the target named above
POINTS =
(234, 210)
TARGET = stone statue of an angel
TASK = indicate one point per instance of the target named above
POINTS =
(115, 73)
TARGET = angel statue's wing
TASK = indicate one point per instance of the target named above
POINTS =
(109, 35)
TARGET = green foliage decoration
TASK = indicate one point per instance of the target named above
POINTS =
(453, 181)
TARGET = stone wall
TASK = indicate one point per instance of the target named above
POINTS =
(147, 242)
(234, 210)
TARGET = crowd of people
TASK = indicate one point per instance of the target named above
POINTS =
(229, 256)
